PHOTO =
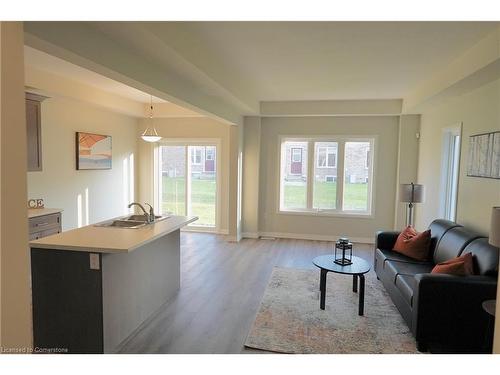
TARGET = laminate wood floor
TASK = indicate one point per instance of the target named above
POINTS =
(222, 284)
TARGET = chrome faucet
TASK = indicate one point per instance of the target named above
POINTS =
(146, 214)
(152, 215)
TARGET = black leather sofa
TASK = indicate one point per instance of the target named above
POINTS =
(442, 311)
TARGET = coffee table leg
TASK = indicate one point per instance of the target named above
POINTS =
(322, 288)
(361, 294)
(355, 283)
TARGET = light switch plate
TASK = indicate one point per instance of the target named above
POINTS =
(94, 261)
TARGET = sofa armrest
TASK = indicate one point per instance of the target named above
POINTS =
(385, 240)
(448, 309)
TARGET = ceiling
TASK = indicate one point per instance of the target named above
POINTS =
(267, 61)
(227, 69)
(59, 67)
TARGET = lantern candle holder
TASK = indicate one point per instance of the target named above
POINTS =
(344, 247)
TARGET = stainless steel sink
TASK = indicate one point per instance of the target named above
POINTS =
(136, 218)
(143, 218)
(130, 222)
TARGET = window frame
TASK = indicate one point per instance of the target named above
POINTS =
(326, 157)
(311, 161)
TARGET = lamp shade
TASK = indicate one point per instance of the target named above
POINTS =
(411, 193)
(495, 227)
(150, 135)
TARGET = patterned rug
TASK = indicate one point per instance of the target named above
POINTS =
(290, 320)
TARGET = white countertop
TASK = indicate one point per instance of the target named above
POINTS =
(96, 239)
(35, 212)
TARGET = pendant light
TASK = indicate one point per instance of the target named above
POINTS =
(150, 134)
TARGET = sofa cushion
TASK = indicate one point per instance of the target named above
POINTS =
(395, 268)
(453, 243)
(438, 228)
(381, 256)
(485, 257)
(460, 266)
(406, 285)
(413, 244)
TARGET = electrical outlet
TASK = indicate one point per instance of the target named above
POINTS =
(94, 261)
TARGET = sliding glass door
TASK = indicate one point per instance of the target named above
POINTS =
(187, 181)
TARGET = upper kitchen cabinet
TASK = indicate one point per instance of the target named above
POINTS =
(34, 130)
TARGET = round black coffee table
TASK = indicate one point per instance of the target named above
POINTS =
(357, 269)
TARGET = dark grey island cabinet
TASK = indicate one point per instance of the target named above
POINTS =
(92, 287)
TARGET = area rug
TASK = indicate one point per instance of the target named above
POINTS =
(290, 320)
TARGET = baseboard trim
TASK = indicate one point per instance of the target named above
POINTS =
(250, 235)
(303, 236)
(203, 230)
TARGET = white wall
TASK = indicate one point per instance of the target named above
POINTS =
(186, 128)
(478, 111)
(251, 167)
(15, 309)
(361, 229)
(60, 184)
(409, 126)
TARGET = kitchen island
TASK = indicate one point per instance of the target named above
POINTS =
(92, 287)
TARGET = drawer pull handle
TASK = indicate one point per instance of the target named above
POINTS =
(42, 224)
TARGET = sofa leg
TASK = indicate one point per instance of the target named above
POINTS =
(421, 346)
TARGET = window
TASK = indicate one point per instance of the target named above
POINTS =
(324, 191)
(326, 157)
(209, 153)
(196, 155)
(185, 185)
(296, 155)
(356, 192)
(339, 180)
(294, 177)
(450, 166)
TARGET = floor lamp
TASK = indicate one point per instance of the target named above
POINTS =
(411, 193)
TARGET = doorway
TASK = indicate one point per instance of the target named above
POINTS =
(188, 181)
(450, 168)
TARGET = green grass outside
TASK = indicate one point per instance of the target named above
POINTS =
(355, 196)
(203, 194)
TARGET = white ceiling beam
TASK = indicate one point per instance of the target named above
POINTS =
(56, 86)
(37, 80)
(382, 107)
(476, 66)
(84, 46)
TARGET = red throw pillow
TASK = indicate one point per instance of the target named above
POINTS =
(413, 244)
(460, 266)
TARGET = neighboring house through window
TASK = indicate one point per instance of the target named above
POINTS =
(209, 153)
(325, 188)
(326, 157)
(196, 155)
(296, 160)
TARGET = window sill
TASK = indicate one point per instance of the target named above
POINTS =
(353, 215)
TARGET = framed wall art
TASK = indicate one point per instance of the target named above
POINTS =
(93, 151)
(484, 155)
